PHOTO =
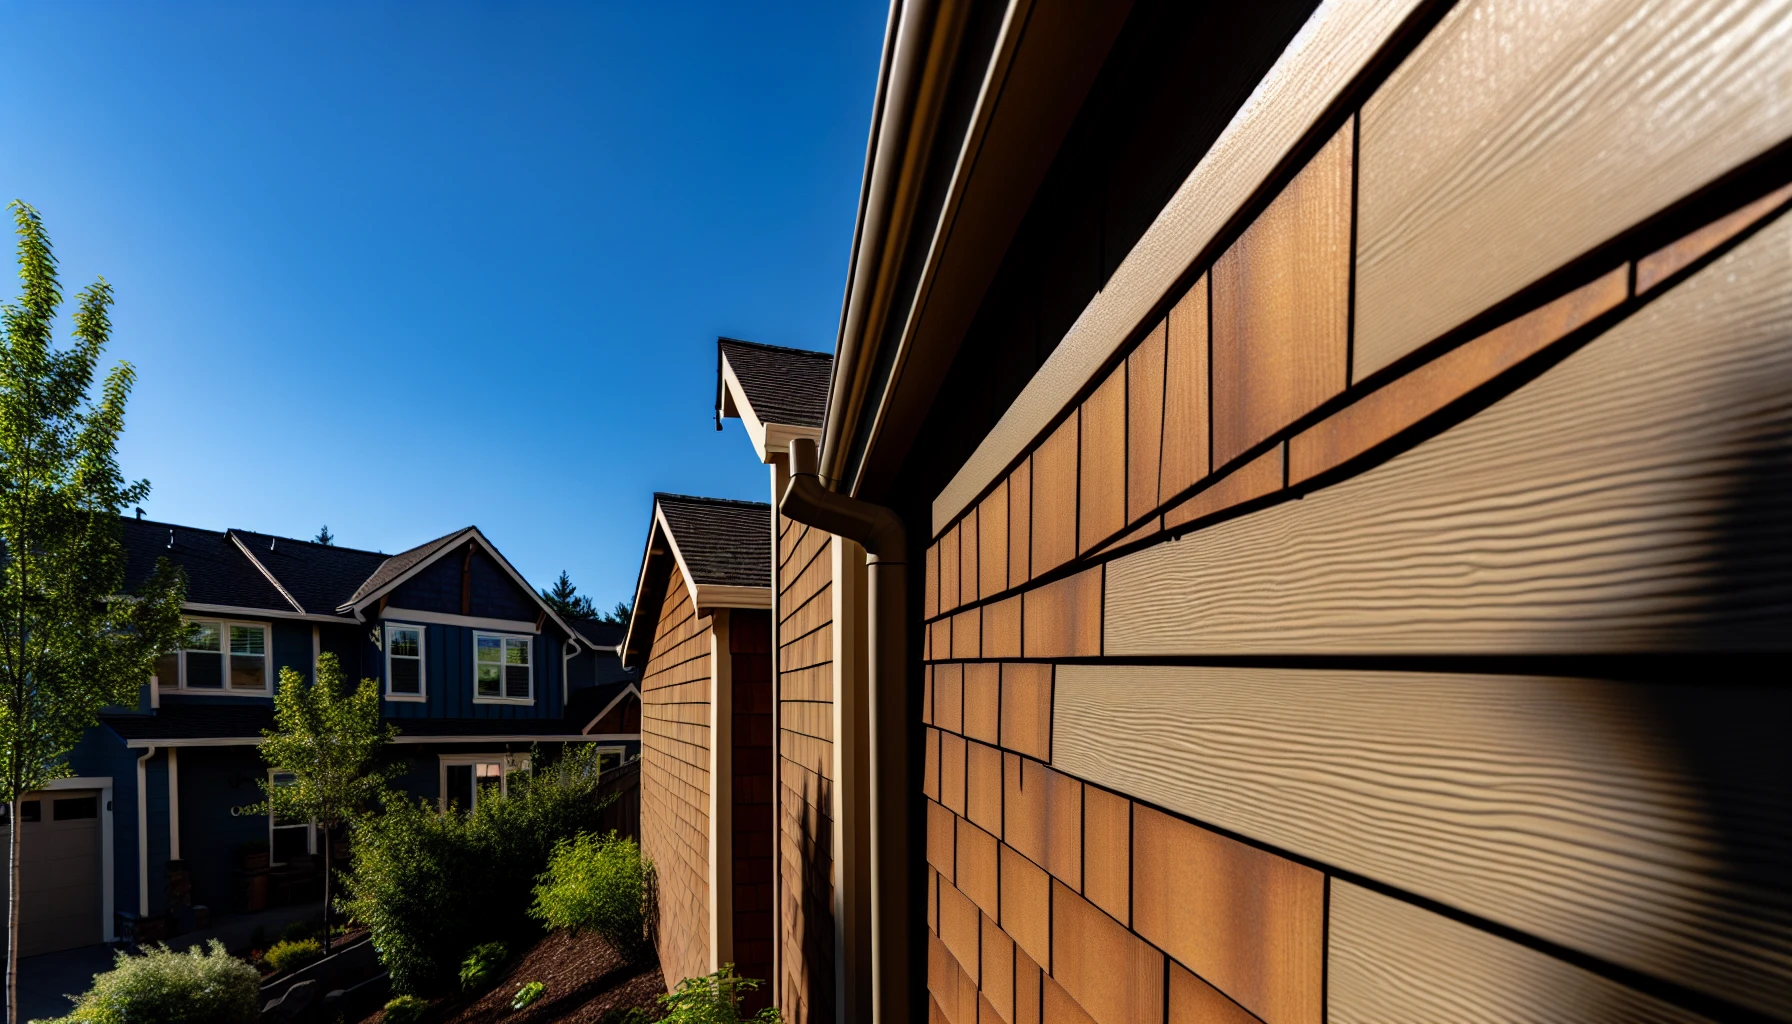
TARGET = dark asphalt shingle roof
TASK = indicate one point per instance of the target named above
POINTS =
(395, 566)
(723, 542)
(318, 576)
(600, 634)
(585, 704)
(784, 385)
(217, 571)
(195, 721)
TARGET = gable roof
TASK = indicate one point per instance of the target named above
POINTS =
(598, 633)
(221, 572)
(722, 548)
(394, 569)
(778, 393)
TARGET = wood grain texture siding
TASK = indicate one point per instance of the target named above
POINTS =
(1193, 1001)
(1020, 523)
(1144, 423)
(1063, 619)
(1281, 307)
(1402, 403)
(1674, 257)
(1620, 502)
(1185, 394)
(1109, 971)
(1522, 133)
(1256, 478)
(1101, 483)
(1644, 824)
(1394, 963)
(1001, 628)
(992, 541)
(949, 575)
(969, 579)
(1054, 499)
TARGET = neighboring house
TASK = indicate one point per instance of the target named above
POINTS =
(474, 670)
(701, 638)
(1342, 450)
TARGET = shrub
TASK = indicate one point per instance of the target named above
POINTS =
(303, 928)
(598, 883)
(405, 1010)
(714, 999)
(292, 954)
(481, 965)
(431, 886)
(195, 987)
(527, 995)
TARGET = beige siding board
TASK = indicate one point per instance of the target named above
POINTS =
(1523, 133)
(1550, 805)
(1394, 963)
(1608, 505)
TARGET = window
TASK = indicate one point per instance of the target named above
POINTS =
(467, 778)
(502, 669)
(288, 838)
(222, 657)
(404, 663)
(74, 808)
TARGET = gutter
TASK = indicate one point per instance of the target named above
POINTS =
(875, 821)
(912, 92)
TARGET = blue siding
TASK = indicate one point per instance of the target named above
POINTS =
(291, 648)
(494, 594)
(101, 752)
(449, 677)
(213, 780)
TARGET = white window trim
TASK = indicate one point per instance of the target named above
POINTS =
(528, 701)
(267, 661)
(422, 694)
(310, 828)
(510, 763)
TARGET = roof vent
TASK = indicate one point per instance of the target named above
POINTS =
(139, 511)
(271, 543)
(171, 539)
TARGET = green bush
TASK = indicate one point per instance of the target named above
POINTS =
(195, 987)
(714, 999)
(405, 1010)
(598, 883)
(527, 995)
(292, 954)
(431, 886)
(481, 965)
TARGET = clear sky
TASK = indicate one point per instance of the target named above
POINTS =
(399, 268)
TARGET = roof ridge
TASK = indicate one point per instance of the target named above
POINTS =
(658, 495)
(301, 540)
(723, 338)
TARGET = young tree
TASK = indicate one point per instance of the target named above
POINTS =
(324, 537)
(71, 640)
(566, 600)
(330, 740)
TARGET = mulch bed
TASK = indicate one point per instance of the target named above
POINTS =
(586, 979)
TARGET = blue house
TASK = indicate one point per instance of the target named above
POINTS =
(474, 669)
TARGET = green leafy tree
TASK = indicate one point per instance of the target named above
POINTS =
(330, 740)
(71, 640)
(566, 600)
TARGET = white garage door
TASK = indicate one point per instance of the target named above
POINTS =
(59, 867)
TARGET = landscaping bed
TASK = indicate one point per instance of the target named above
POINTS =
(586, 981)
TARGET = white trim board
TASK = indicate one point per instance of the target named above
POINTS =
(446, 619)
(768, 439)
(630, 688)
(263, 613)
(1325, 57)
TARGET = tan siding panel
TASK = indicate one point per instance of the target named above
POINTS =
(982, 702)
(1027, 709)
(992, 541)
(1001, 628)
(1020, 523)
(1394, 963)
(1063, 619)
(1256, 478)
(1520, 135)
(949, 576)
(1549, 805)
(969, 573)
(1567, 517)
(1185, 394)
(1281, 307)
(1144, 423)
(1101, 485)
(1116, 977)
(1054, 499)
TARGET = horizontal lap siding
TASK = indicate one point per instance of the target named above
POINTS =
(675, 780)
(805, 992)
(1586, 474)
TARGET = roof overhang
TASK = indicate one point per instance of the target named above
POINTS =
(662, 550)
(769, 438)
(900, 331)
(242, 612)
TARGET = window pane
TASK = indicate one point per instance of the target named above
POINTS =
(248, 673)
(75, 807)
(516, 681)
(205, 671)
(248, 640)
(516, 652)
(31, 810)
(487, 648)
(404, 643)
(291, 843)
(460, 787)
(488, 680)
(206, 638)
(406, 676)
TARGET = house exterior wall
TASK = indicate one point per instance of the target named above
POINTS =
(675, 738)
(805, 988)
(749, 645)
(1369, 640)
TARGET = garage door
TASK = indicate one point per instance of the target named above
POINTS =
(59, 868)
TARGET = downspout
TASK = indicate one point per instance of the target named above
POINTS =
(143, 835)
(878, 529)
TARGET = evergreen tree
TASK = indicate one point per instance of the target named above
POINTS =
(566, 600)
(71, 640)
(619, 615)
(324, 537)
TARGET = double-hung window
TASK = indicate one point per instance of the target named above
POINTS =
(289, 839)
(502, 668)
(404, 662)
(221, 657)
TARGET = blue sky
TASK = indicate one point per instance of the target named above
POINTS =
(403, 267)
